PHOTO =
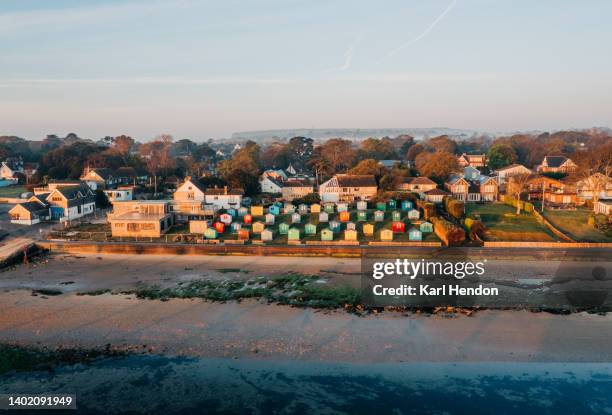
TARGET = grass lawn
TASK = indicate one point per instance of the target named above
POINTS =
(574, 223)
(12, 191)
(504, 225)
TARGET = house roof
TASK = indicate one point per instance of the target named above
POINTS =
(418, 180)
(436, 192)
(512, 166)
(297, 183)
(195, 184)
(356, 180)
(555, 161)
(455, 178)
(103, 172)
(32, 207)
(125, 172)
(229, 192)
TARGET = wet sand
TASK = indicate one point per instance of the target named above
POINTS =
(255, 330)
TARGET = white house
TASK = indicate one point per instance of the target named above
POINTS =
(604, 206)
(224, 198)
(505, 173)
(348, 187)
(269, 184)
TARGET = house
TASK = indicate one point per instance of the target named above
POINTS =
(560, 197)
(556, 164)
(189, 201)
(13, 167)
(604, 206)
(348, 187)
(141, 218)
(269, 184)
(537, 186)
(512, 170)
(458, 187)
(276, 174)
(198, 226)
(480, 188)
(29, 213)
(488, 189)
(435, 195)
(472, 160)
(296, 189)
(584, 187)
(418, 185)
(223, 198)
(99, 178)
(71, 202)
(120, 194)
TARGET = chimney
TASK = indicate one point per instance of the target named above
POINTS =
(224, 190)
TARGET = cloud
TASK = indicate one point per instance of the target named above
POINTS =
(34, 82)
(425, 32)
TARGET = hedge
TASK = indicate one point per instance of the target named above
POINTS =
(449, 233)
(453, 207)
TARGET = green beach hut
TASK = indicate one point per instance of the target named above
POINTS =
(310, 229)
(362, 215)
(283, 228)
(426, 227)
(294, 234)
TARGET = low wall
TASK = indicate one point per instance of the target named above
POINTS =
(548, 244)
(552, 227)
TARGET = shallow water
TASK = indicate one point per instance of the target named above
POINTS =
(167, 385)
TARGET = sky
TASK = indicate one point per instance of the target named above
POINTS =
(204, 69)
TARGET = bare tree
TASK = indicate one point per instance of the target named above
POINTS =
(594, 172)
(516, 186)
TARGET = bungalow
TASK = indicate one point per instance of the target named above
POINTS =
(556, 164)
(347, 188)
(435, 195)
(29, 213)
(473, 160)
(296, 189)
(418, 185)
(145, 218)
(512, 170)
(224, 198)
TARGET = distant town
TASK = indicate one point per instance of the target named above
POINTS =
(430, 192)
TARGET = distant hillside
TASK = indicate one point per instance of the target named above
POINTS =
(350, 133)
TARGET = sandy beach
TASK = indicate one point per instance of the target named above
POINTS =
(255, 329)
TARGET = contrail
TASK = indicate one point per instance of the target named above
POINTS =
(425, 32)
(348, 57)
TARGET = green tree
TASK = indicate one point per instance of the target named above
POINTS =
(501, 155)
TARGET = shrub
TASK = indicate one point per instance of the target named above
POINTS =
(453, 207)
(449, 233)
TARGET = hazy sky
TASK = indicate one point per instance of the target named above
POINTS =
(201, 69)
